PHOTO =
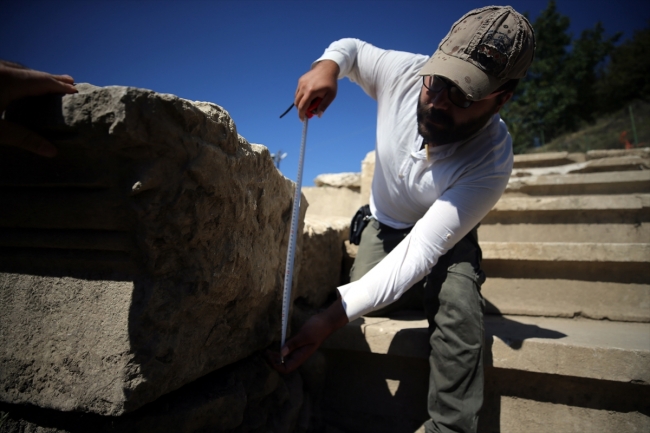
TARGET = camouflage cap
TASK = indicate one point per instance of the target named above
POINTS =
(483, 50)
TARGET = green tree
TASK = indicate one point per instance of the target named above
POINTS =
(626, 76)
(558, 93)
(582, 72)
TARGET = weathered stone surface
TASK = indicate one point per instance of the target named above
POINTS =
(327, 201)
(322, 255)
(635, 202)
(541, 159)
(612, 153)
(606, 233)
(587, 218)
(621, 163)
(579, 348)
(519, 415)
(349, 254)
(394, 393)
(367, 172)
(153, 253)
(568, 298)
(566, 251)
(586, 261)
(567, 244)
(391, 397)
(242, 397)
(339, 180)
(518, 401)
(624, 182)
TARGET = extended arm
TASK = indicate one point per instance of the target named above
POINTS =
(319, 82)
(360, 61)
(17, 82)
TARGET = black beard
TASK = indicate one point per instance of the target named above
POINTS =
(445, 131)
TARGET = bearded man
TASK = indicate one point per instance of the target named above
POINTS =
(443, 159)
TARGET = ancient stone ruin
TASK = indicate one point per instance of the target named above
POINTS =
(141, 282)
(148, 254)
(567, 327)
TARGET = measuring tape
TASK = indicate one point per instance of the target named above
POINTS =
(293, 234)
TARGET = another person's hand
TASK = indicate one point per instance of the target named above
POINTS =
(17, 82)
(300, 347)
(320, 82)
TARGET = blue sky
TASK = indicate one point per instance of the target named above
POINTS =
(247, 55)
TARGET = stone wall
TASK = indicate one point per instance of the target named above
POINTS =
(148, 255)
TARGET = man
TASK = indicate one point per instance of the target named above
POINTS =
(443, 159)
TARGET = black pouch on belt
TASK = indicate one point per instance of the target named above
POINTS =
(358, 223)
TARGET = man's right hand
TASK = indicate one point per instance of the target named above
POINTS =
(320, 82)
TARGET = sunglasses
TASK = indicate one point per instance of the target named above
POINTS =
(436, 84)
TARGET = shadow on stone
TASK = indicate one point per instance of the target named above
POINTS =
(147, 254)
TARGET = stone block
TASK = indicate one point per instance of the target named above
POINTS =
(613, 153)
(367, 172)
(366, 392)
(242, 397)
(147, 254)
(621, 163)
(340, 180)
(611, 351)
(328, 201)
(322, 256)
(519, 415)
(624, 182)
(568, 298)
(611, 233)
(517, 401)
(626, 202)
(541, 159)
(566, 252)
(584, 261)
(580, 368)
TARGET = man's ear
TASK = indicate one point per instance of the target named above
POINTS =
(501, 100)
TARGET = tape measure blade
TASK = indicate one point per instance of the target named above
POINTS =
(293, 236)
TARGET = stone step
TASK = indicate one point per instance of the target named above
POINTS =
(567, 298)
(643, 152)
(595, 373)
(603, 350)
(623, 262)
(606, 218)
(620, 163)
(567, 251)
(547, 159)
(606, 233)
(620, 182)
(586, 209)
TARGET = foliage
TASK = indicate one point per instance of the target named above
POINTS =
(609, 131)
(558, 93)
(626, 76)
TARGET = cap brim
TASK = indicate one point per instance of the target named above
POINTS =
(475, 83)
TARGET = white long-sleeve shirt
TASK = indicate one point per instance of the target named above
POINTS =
(442, 197)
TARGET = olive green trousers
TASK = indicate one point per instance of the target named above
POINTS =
(451, 298)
